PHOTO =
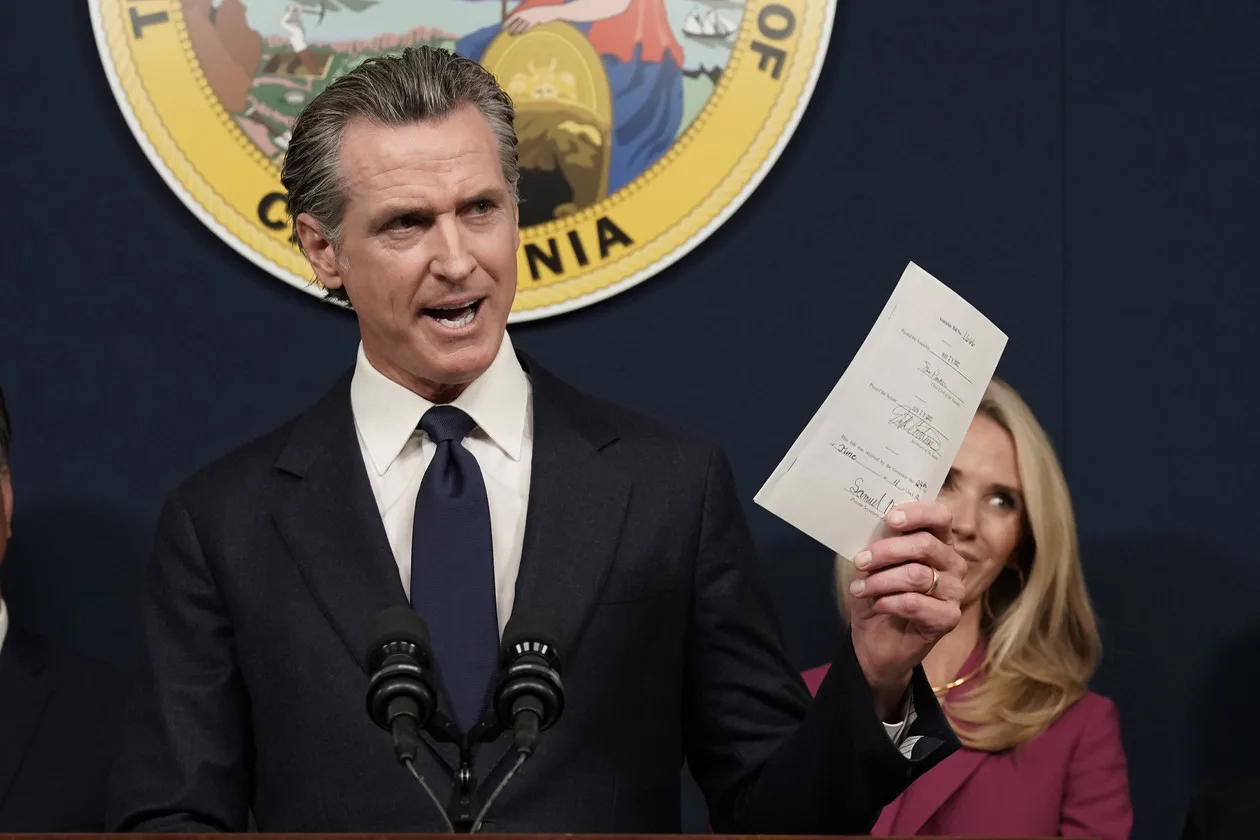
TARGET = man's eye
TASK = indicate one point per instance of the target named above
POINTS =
(403, 222)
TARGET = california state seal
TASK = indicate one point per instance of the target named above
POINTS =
(643, 124)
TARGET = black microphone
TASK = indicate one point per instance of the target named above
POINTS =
(529, 695)
(400, 696)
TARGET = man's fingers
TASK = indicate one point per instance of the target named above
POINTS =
(920, 547)
(912, 578)
(932, 517)
(930, 614)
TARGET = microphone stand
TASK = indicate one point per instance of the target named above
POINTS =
(464, 807)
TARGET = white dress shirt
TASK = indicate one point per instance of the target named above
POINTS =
(4, 623)
(396, 454)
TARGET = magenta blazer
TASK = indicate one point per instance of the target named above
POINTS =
(1069, 781)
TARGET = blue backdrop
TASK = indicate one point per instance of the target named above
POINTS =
(1083, 173)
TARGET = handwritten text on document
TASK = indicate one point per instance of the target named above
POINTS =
(890, 428)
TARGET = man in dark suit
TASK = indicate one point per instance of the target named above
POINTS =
(58, 716)
(447, 472)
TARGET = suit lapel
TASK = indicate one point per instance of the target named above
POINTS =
(331, 524)
(921, 802)
(926, 796)
(577, 505)
(24, 691)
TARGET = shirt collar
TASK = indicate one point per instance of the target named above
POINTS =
(386, 413)
(4, 622)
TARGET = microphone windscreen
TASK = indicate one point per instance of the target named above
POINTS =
(531, 633)
(398, 624)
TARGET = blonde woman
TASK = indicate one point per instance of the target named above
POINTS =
(1042, 754)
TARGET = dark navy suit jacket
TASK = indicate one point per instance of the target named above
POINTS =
(59, 719)
(271, 564)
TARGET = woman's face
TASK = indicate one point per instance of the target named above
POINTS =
(983, 493)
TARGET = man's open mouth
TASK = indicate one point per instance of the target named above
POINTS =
(456, 315)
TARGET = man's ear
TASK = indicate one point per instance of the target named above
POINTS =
(516, 225)
(319, 250)
(6, 501)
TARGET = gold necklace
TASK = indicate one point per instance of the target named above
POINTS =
(949, 686)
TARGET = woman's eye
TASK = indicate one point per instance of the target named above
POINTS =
(1001, 500)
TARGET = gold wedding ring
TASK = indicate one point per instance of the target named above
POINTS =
(936, 578)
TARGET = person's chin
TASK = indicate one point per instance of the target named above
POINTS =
(463, 366)
(462, 358)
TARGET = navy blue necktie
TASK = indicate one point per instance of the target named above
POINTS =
(452, 566)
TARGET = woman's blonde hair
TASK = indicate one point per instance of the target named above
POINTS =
(1043, 638)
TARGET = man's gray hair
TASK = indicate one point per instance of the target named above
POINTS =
(424, 83)
(6, 432)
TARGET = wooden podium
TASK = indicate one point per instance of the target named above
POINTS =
(447, 836)
(426, 836)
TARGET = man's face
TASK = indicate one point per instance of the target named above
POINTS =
(6, 509)
(428, 248)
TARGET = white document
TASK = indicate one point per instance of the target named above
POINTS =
(890, 429)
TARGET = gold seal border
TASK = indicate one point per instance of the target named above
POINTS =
(696, 224)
